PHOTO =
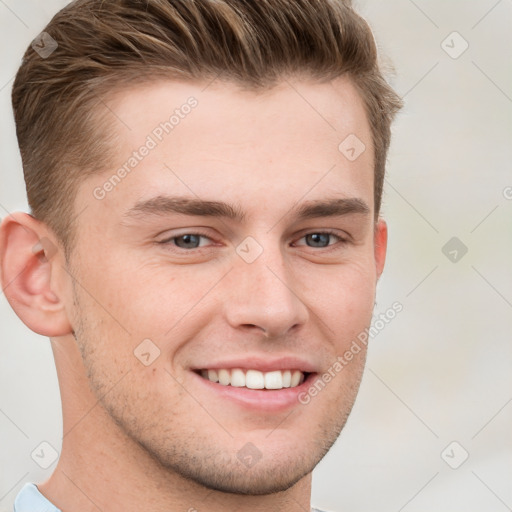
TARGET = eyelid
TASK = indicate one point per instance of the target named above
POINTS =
(194, 231)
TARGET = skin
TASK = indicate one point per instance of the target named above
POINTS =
(152, 437)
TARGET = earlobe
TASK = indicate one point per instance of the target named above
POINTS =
(27, 258)
(380, 244)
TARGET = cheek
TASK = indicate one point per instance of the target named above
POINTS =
(128, 298)
(346, 299)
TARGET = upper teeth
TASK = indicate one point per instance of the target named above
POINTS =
(254, 379)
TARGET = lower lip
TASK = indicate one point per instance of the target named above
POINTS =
(274, 400)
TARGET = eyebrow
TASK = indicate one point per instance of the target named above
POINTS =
(165, 205)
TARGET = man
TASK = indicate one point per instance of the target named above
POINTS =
(205, 178)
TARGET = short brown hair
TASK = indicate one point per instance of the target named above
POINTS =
(105, 46)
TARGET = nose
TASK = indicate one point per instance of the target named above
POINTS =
(263, 295)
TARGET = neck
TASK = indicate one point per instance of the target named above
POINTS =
(102, 468)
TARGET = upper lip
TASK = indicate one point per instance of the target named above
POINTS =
(263, 364)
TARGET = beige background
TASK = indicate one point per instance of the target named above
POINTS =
(441, 370)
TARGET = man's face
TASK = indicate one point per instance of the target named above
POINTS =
(161, 297)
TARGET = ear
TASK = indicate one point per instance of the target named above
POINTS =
(380, 244)
(28, 254)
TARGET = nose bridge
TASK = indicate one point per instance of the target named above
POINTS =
(262, 291)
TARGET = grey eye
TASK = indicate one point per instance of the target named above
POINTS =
(319, 239)
(189, 241)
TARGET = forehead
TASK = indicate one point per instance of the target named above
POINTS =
(223, 111)
(218, 141)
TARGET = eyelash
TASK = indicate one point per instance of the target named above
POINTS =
(167, 241)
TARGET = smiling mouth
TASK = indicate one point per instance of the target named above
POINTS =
(254, 379)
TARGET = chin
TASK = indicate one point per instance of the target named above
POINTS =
(219, 469)
(266, 479)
